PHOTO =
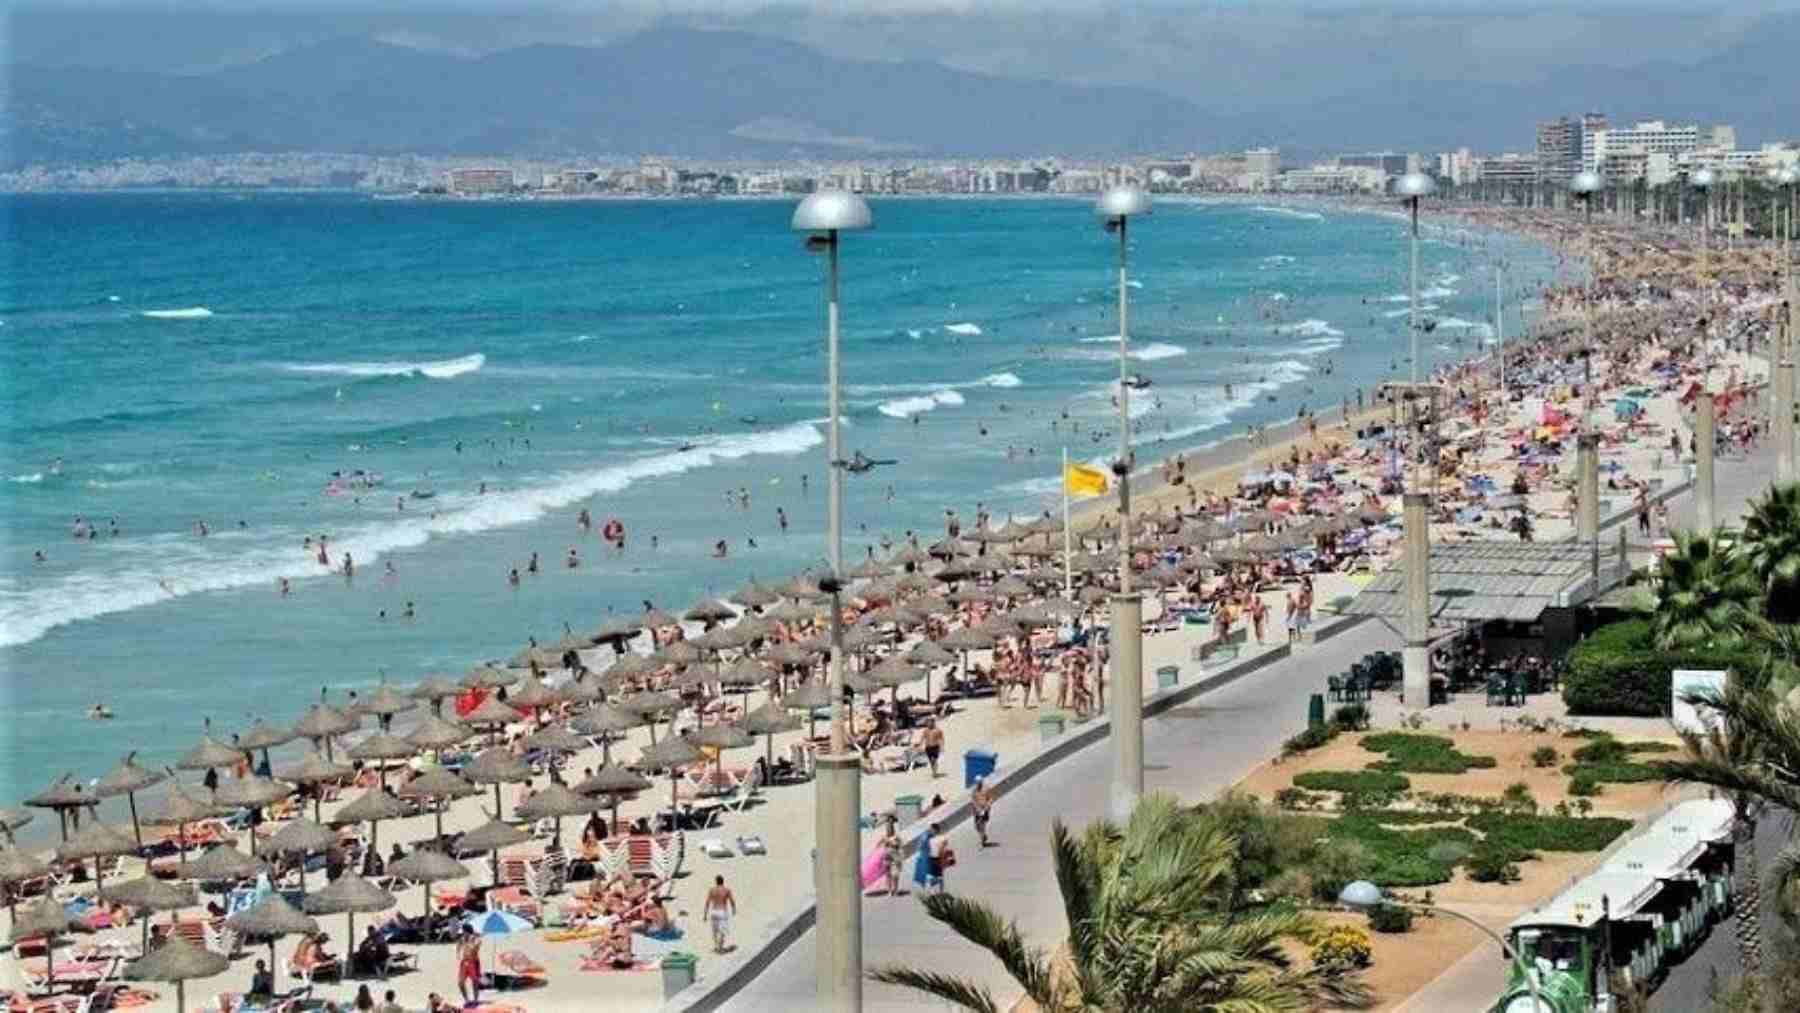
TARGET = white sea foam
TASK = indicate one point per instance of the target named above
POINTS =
(1310, 329)
(1001, 380)
(442, 369)
(1318, 346)
(1277, 259)
(962, 329)
(906, 407)
(1134, 283)
(1425, 294)
(136, 570)
(1278, 296)
(914, 333)
(31, 478)
(582, 338)
(189, 313)
(1311, 216)
(1475, 327)
(1150, 351)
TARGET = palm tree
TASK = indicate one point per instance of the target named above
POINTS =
(1149, 930)
(1772, 544)
(1750, 751)
(1705, 594)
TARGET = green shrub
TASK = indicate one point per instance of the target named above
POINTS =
(1402, 858)
(1521, 834)
(1353, 782)
(1351, 717)
(1606, 759)
(1297, 798)
(1335, 864)
(1421, 754)
(1618, 671)
(1614, 773)
(1314, 737)
(1544, 756)
(1407, 817)
(1391, 918)
(1518, 798)
(1585, 786)
(1268, 839)
(1492, 865)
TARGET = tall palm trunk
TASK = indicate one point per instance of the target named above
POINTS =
(1747, 891)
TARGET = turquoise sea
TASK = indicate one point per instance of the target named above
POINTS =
(178, 359)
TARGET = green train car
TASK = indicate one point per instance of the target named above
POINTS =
(1627, 923)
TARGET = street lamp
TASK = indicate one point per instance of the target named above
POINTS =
(1584, 185)
(1413, 186)
(1116, 207)
(1788, 177)
(1363, 895)
(1703, 181)
(838, 776)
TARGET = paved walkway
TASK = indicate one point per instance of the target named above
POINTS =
(1193, 751)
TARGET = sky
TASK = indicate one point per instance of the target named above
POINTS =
(1221, 55)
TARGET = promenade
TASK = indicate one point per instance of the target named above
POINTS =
(1192, 751)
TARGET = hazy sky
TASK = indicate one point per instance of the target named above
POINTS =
(1219, 55)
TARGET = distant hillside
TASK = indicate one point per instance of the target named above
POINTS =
(675, 91)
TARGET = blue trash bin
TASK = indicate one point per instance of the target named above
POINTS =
(978, 763)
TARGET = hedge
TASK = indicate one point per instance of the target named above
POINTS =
(1618, 672)
(1421, 754)
(1353, 782)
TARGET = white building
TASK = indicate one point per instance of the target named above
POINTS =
(1333, 179)
(1622, 152)
(1459, 166)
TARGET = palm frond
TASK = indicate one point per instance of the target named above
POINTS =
(986, 928)
(951, 990)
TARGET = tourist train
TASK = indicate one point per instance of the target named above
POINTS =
(1622, 927)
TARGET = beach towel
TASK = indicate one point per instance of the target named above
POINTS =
(590, 964)
(924, 865)
(872, 866)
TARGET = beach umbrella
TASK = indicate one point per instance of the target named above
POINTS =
(497, 766)
(768, 721)
(809, 696)
(372, 807)
(1161, 575)
(581, 690)
(930, 652)
(489, 839)
(630, 667)
(803, 586)
(752, 627)
(384, 703)
(425, 866)
(754, 595)
(605, 721)
(1196, 562)
(179, 809)
(968, 638)
(790, 655)
(869, 569)
(896, 672)
(670, 754)
(615, 782)
(488, 677)
(1093, 594)
(96, 841)
(348, 895)
(150, 895)
(314, 769)
(617, 631)
(222, 863)
(492, 714)
(435, 733)
(440, 786)
(678, 652)
(380, 747)
(650, 705)
(177, 961)
(745, 674)
(299, 839)
(497, 923)
(1372, 515)
(890, 615)
(269, 919)
(209, 753)
(433, 688)
(534, 694)
(912, 555)
(1232, 554)
(1011, 587)
(554, 802)
(1203, 532)
(251, 793)
(556, 739)
(709, 611)
(719, 638)
(861, 638)
(323, 722)
(958, 569)
(913, 583)
(655, 618)
(64, 795)
(128, 779)
(1032, 617)
(795, 612)
(262, 736)
(17, 867)
(44, 920)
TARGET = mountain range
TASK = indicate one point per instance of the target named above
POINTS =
(726, 94)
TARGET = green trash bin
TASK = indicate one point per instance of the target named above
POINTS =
(1168, 676)
(1051, 724)
(908, 809)
(1315, 710)
(678, 972)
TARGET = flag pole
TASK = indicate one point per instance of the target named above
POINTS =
(1068, 575)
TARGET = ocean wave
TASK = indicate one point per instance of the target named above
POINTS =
(580, 339)
(1277, 259)
(1424, 307)
(188, 313)
(1476, 327)
(1318, 346)
(914, 333)
(442, 369)
(151, 570)
(30, 478)
(1278, 296)
(1001, 380)
(1270, 209)
(1425, 294)
(1310, 329)
(906, 407)
(1134, 283)
(969, 329)
(1150, 351)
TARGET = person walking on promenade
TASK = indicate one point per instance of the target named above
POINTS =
(468, 966)
(981, 801)
(931, 739)
(720, 906)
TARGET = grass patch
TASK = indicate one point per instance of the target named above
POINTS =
(1520, 835)
(1408, 818)
(1402, 858)
(1421, 754)
(1353, 782)
(1606, 760)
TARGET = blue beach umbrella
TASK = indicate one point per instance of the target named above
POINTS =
(497, 923)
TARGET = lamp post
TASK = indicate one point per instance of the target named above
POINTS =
(1584, 185)
(1116, 208)
(1413, 186)
(838, 779)
(1789, 178)
(1363, 895)
(1703, 181)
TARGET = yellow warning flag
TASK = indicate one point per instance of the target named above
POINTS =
(1080, 480)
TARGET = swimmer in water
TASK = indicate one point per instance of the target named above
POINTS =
(532, 565)
(282, 586)
(349, 566)
(720, 550)
(781, 519)
(573, 561)
(408, 613)
(512, 577)
(39, 557)
(388, 569)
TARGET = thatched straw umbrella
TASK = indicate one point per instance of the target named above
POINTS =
(264, 737)
(754, 595)
(44, 920)
(969, 638)
(178, 961)
(96, 841)
(931, 653)
(709, 611)
(323, 722)
(65, 795)
(17, 867)
(128, 779)
(534, 694)
(809, 697)
(384, 703)
(617, 632)
(269, 919)
(222, 863)
(489, 677)
(436, 734)
(381, 747)
(492, 715)
(896, 672)
(179, 808)
(768, 721)
(651, 705)
(497, 767)
(314, 769)
(582, 690)
(434, 690)
(425, 866)
(347, 895)
(209, 753)
(489, 839)
(554, 802)
(440, 786)
(372, 807)
(671, 754)
(301, 838)
(614, 782)
(150, 895)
